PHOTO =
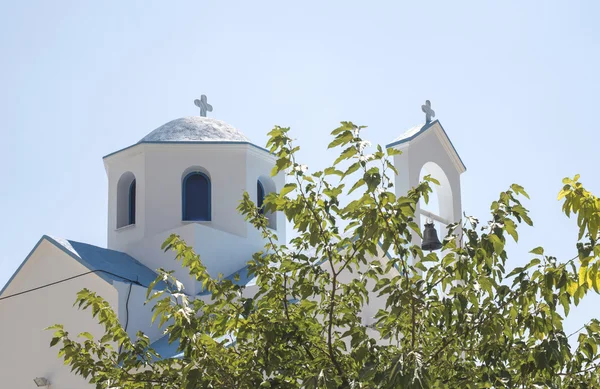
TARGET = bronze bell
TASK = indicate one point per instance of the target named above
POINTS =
(430, 238)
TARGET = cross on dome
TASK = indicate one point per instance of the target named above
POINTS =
(203, 105)
(429, 113)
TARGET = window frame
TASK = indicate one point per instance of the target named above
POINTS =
(260, 200)
(132, 195)
(184, 197)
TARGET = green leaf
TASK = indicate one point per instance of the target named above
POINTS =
(497, 243)
(346, 126)
(392, 151)
(356, 185)
(331, 170)
(354, 167)
(193, 378)
(341, 140)
(287, 188)
(348, 153)
(86, 335)
(572, 287)
(511, 229)
(485, 284)
(537, 251)
(518, 189)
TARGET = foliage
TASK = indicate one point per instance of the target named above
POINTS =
(461, 320)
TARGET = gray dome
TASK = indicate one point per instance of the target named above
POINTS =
(195, 129)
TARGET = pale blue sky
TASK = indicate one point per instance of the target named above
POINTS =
(514, 83)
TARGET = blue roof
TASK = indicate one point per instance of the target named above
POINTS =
(244, 279)
(166, 350)
(110, 265)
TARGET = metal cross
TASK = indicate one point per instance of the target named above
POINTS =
(429, 113)
(203, 105)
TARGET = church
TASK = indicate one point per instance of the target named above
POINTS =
(186, 177)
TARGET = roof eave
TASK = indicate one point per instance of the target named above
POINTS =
(199, 142)
(39, 242)
(103, 274)
(458, 160)
(56, 244)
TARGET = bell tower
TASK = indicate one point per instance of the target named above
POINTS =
(427, 149)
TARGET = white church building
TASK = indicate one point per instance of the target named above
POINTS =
(186, 177)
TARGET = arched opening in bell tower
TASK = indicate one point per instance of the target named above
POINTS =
(439, 208)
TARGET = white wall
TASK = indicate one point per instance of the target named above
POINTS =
(135, 315)
(165, 167)
(25, 344)
(220, 251)
(159, 171)
(131, 160)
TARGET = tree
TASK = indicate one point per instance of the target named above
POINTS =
(458, 321)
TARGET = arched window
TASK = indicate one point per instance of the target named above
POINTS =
(264, 186)
(196, 197)
(132, 202)
(126, 199)
(260, 196)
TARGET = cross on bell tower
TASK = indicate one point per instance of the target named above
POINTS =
(429, 113)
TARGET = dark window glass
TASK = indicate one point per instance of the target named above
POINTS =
(196, 197)
(260, 196)
(132, 203)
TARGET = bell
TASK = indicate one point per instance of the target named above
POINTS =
(430, 238)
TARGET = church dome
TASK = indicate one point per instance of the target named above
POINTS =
(195, 129)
